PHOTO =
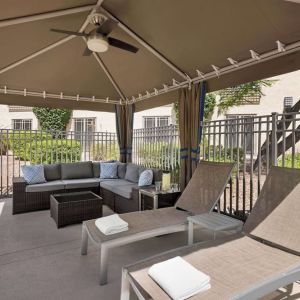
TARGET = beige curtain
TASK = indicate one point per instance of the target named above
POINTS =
(124, 126)
(191, 112)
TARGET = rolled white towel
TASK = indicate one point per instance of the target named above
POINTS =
(111, 224)
(179, 279)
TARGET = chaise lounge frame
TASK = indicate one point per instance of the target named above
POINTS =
(264, 229)
(198, 197)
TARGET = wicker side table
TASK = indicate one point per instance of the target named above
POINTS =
(72, 208)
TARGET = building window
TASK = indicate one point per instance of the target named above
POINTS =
(162, 121)
(150, 122)
(22, 124)
(245, 126)
(287, 102)
(83, 128)
(18, 108)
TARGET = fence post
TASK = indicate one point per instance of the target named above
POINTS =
(274, 139)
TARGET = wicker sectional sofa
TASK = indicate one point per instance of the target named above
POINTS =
(119, 194)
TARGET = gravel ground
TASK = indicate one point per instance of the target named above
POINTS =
(248, 188)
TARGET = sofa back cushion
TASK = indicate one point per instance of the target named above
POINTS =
(132, 172)
(52, 172)
(157, 175)
(122, 170)
(77, 170)
(96, 169)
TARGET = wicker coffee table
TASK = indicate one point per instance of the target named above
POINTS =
(72, 208)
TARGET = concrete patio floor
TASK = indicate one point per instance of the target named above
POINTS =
(38, 261)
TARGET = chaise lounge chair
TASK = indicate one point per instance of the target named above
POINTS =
(248, 265)
(200, 196)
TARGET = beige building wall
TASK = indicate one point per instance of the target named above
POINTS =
(104, 121)
(7, 117)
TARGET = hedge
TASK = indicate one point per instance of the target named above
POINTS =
(105, 151)
(42, 148)
(288, 161)
(62, 150)
(20, 142)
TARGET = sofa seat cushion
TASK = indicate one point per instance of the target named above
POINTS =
(119, 186)
(81, 183)
(54, 185)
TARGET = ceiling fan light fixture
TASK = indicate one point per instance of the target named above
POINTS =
(97, 44)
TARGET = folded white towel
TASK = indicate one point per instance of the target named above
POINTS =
(111, 224)
(179, 279)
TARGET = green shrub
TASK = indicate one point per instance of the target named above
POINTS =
(288, 161)
(39, 147)
(105, 151)
(20, 142)
(54, 119)
(220, 153)
(62, 150)
(3, 144)
(158, 154)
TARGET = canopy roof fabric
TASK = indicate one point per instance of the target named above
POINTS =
(180, 43)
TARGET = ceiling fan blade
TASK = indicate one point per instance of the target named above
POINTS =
(87, 52)
(69, 32)
(122, 45)
(107, 27)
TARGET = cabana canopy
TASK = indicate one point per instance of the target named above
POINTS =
(180, 43)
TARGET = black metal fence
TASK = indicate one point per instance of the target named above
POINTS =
(254, 144)
(19, 147)
(158, 147)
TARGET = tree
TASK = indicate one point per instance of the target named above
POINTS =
(238, 95)
(53, 119)
(209, 105)
(230, 97)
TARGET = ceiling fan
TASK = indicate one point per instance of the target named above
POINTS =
(98, 40)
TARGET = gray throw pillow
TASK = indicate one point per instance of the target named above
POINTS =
(121, 170)
(77, 170)
(132, 173)
(52, 172)
(108, 170)
(146, 178)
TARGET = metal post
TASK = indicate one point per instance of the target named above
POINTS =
(274, 139)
